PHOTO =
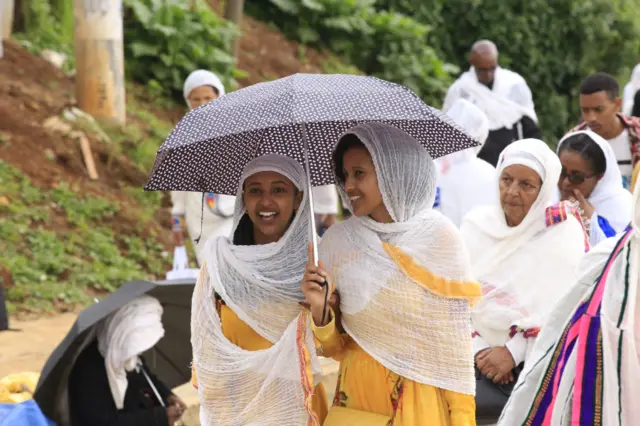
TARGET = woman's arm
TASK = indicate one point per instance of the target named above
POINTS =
(329, 341)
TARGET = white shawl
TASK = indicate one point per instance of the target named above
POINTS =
(630, 90)
(123, 336)
(504, 105)
(405, 286)
(525, 268)
(261, 285)
(465, 181)
(609, 198)
(620, 322)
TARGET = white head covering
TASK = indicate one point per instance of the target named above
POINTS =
(610, 200)
(525, 268)
(417, 329)
(474, 121)
(123, 336)
(261, 285)
(201, 78)
(465, 181)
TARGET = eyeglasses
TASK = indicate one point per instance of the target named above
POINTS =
(575, 178)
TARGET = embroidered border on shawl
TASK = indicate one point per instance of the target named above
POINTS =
(542, 407)
(306, 373)
(469, 290)
(559, 212)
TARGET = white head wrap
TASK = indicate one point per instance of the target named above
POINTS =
(523, 269)
(201, 78)
(610, 200)
(417, 329)
(123, 336)
(465, 181)
(261, 285)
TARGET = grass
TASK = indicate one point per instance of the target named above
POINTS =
(60, 246)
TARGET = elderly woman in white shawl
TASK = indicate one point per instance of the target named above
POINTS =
(585, 366)
(591, 179)
(465, 181)
(189, 208)
(254, 355)
(109, 383)
(524, 251)
(405, 289)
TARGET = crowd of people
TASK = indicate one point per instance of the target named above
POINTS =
(498, 280)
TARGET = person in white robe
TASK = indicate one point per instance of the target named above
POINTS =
(591, 179)
(503, 96)
(464, 180)
(585, 365)
(203, 215)
(524, 251)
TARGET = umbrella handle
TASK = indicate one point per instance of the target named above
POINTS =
(312, 216)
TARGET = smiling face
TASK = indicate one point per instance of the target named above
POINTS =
(201, 95)
(271, 201)
(519, 189)
(361, 184)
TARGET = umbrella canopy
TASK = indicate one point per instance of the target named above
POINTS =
(210, 146)
(169, 359)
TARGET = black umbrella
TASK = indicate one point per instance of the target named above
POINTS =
(169, 359)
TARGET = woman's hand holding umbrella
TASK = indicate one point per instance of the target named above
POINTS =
(314, 287)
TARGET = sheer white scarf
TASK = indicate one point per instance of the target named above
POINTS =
(465, 181)
(609, 198)
(261, 285)
(395, 280)
(525, 268)
(123, 336)
(620, 322)
(504, 105)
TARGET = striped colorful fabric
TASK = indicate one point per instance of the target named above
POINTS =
(559, 212)
(583, 333)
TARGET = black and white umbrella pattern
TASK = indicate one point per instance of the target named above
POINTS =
(209, 147)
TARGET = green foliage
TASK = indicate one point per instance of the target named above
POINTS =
(84, 253)
(553, 44)
(166, 40)
(49, 28)
(382, 43)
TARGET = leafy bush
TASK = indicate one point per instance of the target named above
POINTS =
(380, 43)
(166, 40)
(553, 44)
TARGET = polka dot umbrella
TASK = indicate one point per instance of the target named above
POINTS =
(301, 116)
(210, 146)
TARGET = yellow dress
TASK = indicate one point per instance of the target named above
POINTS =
(365, 385)
(370, 394)
(242, 335)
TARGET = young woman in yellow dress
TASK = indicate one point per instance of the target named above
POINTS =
(405, 288)
(254, 361)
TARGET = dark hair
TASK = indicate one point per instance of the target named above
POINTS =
(600, 82)
(347, 142)
(588, 149)
(243, 236)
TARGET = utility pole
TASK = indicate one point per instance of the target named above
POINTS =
(99, 53)
(6, 18)
(233, 12)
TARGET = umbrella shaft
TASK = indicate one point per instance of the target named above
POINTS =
(312, 218)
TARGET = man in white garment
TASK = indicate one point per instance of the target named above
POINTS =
(502, 95)
(203, 215)
(600, 105)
